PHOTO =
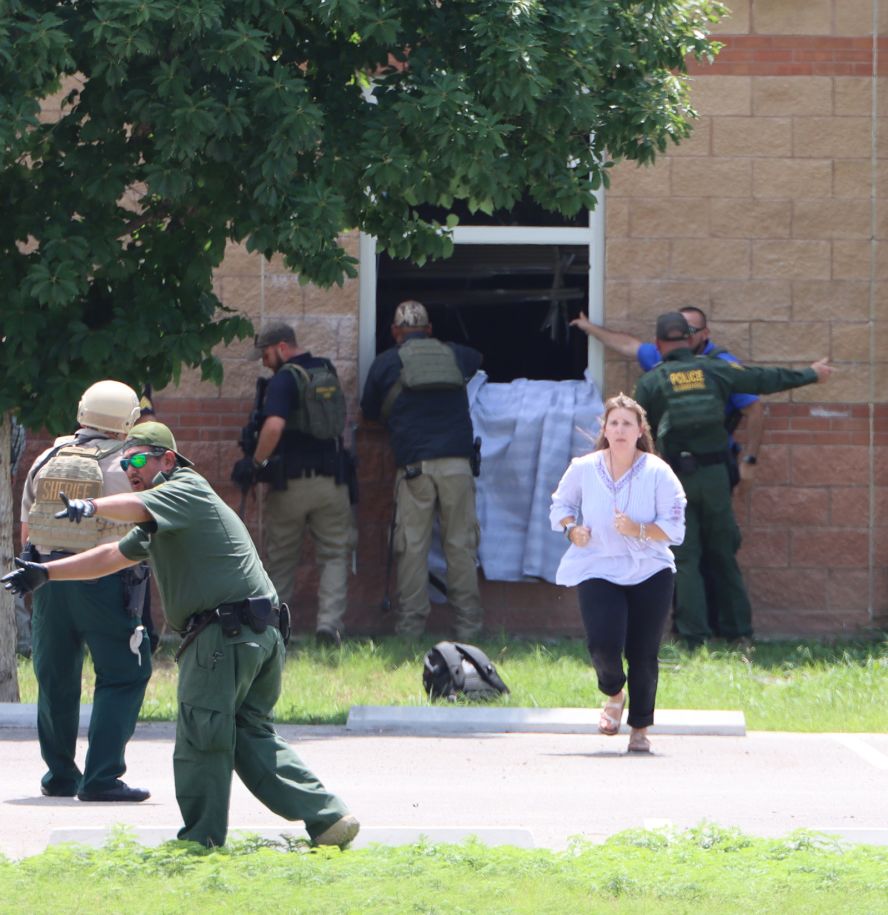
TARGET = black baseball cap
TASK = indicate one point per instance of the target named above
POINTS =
(673, 326)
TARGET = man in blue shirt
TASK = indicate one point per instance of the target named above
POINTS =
(741, 406)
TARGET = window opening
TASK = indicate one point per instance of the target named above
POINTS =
(511, 302)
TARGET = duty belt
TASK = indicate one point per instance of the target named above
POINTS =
(197, 622)
(688, 462)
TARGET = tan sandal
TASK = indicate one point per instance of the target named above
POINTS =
(638, 743)
(611, 717)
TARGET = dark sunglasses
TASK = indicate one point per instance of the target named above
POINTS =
(695, 330)
(139, 460)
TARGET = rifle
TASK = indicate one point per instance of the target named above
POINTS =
(249, 435)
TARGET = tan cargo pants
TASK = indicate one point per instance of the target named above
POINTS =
(445, 485)
(318, 504)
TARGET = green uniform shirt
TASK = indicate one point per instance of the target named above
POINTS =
(199, 549)
(684, 372)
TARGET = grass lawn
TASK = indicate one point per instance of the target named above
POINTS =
(702, 870)
(780, 686)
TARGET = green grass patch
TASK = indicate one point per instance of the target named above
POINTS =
(706, 869)
(780, 686)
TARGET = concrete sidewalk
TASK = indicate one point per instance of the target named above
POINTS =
(539, 788)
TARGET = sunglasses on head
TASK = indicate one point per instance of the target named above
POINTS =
(139, 460)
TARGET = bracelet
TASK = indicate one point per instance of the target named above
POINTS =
(642, 534)
(568, 528)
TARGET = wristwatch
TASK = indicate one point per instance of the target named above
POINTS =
(568, 528)
(750, 459)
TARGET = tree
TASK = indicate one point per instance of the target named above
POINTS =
(280, 123)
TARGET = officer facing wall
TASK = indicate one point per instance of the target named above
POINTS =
(418, 389)
(299, 452)
(102, 615)
(685, 397)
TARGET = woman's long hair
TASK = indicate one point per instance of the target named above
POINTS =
(625, 402)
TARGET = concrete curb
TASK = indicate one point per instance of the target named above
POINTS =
(465, 719)
(24, 715)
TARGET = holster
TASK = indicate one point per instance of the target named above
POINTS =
(347, 473)
(135, 584)
(275, 473)
(284, 624)
(475, 459)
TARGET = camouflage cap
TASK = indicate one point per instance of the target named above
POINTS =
(411, 314)
(155, 435)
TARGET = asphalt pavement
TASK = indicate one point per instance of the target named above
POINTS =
(539, 789)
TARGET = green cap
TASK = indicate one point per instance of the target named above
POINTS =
(157, 435)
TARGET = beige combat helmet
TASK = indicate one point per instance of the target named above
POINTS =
(110, 406)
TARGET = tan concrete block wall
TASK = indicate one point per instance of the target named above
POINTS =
(795, 96)
(855, 17)
(790, 17)
(788, 179)
(737, 21)
(752, 136)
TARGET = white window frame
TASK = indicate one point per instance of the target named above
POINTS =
(593, 236)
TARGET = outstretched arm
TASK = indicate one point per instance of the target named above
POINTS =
(625, 344)
(102, 560)
(98, 562)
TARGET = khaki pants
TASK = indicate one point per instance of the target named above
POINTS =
(446, 486)
(318, 504)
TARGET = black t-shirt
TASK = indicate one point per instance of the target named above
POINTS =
(422, 424)
(299, 450)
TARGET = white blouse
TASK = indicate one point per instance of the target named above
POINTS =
(649, 492)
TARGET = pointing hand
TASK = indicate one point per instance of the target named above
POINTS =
(76, 509)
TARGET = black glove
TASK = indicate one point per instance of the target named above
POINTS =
(76, 509)
(29, 576)
(244, 473)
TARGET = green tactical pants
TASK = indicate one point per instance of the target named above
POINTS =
(227, 691)
(445, 486)
(320, 506)
(711, 541)
(67, 616)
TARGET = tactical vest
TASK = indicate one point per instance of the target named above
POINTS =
(693, 404)
(74, 470)
(732, 416)
(321, 409)
(427, 364)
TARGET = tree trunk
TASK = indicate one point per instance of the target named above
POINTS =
(9, 691)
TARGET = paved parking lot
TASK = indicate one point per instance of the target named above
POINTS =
(548, 787)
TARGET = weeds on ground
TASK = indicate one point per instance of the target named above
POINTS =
(703, 869)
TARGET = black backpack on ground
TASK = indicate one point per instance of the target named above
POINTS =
(453, 669)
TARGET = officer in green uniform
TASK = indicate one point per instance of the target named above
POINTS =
(217, 594)
(685, 399)
(70, 616)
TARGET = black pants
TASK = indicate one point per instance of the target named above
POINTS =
(627, 619)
